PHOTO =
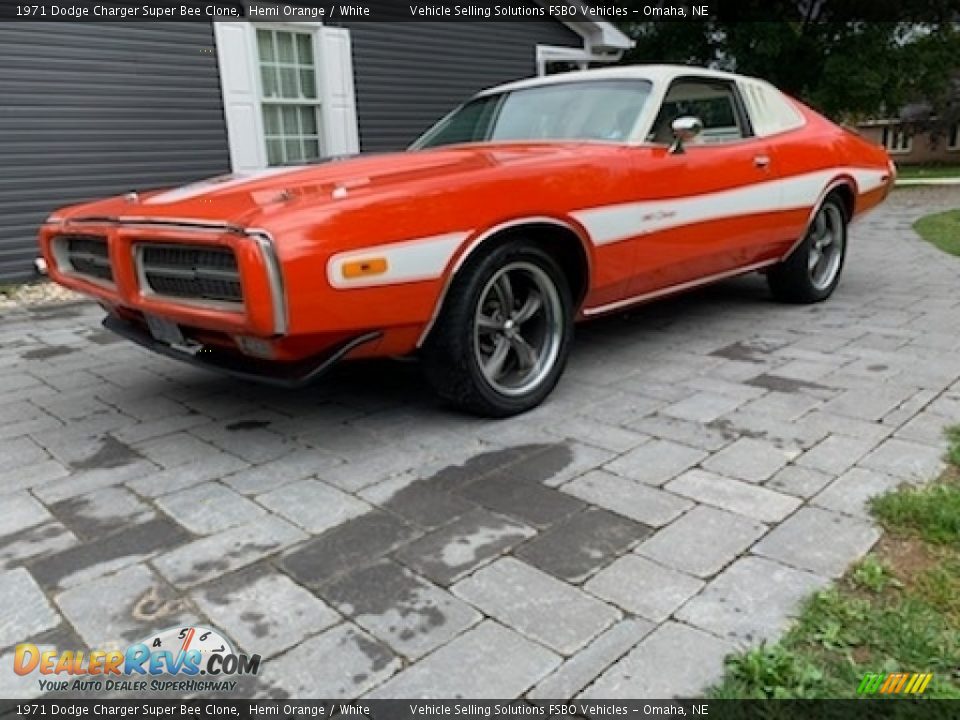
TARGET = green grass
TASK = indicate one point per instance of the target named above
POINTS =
(898, 610)
(873, 575)
(933, 512)
(953, 438)
(928, 171)
(941, 229)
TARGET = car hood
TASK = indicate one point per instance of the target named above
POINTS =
(241, 197)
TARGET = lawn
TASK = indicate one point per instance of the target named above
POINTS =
(896, 611)
(941, 229)
(910, 172)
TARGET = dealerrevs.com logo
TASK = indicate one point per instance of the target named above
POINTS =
(182, 659)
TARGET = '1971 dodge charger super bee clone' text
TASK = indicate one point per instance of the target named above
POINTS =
(531, 206)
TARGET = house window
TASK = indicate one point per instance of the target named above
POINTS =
(289, 96)
(897, 140)
(953, 137)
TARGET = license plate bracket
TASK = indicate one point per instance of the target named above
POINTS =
(165, 331)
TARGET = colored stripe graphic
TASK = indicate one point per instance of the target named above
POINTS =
(894, 683)
(890, 683)
(870, 684)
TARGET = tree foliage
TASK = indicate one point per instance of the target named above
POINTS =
(850, 59)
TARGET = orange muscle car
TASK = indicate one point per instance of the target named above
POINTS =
(531, 206)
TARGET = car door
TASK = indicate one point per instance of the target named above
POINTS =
(711, 207)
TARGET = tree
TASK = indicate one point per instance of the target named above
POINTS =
(850, 59)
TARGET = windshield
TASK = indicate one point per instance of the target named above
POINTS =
(594, 110)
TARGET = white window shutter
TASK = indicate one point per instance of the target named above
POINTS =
(339, 103)
(236, 53)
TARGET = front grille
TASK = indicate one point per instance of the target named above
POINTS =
(87, 255)
(191, 272)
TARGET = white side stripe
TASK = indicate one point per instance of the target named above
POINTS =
(427, 258)
(868, 180)
(410, 261)
(613, 223)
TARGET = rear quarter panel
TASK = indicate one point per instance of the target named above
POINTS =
(832, 155)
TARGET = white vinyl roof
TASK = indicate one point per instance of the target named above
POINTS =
(658, 74)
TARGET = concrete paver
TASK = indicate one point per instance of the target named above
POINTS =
(536, 604)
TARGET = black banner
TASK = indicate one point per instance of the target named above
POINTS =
(619, 11)
(865, 709)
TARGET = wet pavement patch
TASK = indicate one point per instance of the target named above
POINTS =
(449, 553)
(47, 351)
(248, 425)
(408, 613)
(741, 352)
(345, 547)
(580, 545)
(42, 540)
(776, 383)
(112, 454)
(510, 481)
(532, 463)
(103, 337)
(421, 504)
(101, 512)
(110, 551)
(472, 512)
(522, 498)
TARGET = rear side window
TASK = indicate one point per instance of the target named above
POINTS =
(770, 111)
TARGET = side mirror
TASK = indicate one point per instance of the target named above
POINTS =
(685, 129)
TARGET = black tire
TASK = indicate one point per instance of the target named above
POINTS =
(794, 280)
(453, 355)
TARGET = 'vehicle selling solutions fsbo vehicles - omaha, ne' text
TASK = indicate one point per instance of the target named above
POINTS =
(530, 206)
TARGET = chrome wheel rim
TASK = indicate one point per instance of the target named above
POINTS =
(517, 328)
(826, 246)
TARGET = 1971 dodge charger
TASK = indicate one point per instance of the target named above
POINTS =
(531, 206)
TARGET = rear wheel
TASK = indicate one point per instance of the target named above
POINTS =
(502, 338)
(812, 271)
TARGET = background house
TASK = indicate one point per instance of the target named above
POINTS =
(907, 147)
(89, 110)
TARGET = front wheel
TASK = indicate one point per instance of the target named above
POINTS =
(502, 338)
(812, 271)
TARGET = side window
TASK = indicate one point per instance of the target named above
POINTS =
(713, 101)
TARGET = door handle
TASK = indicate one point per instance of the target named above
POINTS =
(762, 161)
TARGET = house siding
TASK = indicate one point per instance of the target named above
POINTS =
(91, 110)
(408, 75)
